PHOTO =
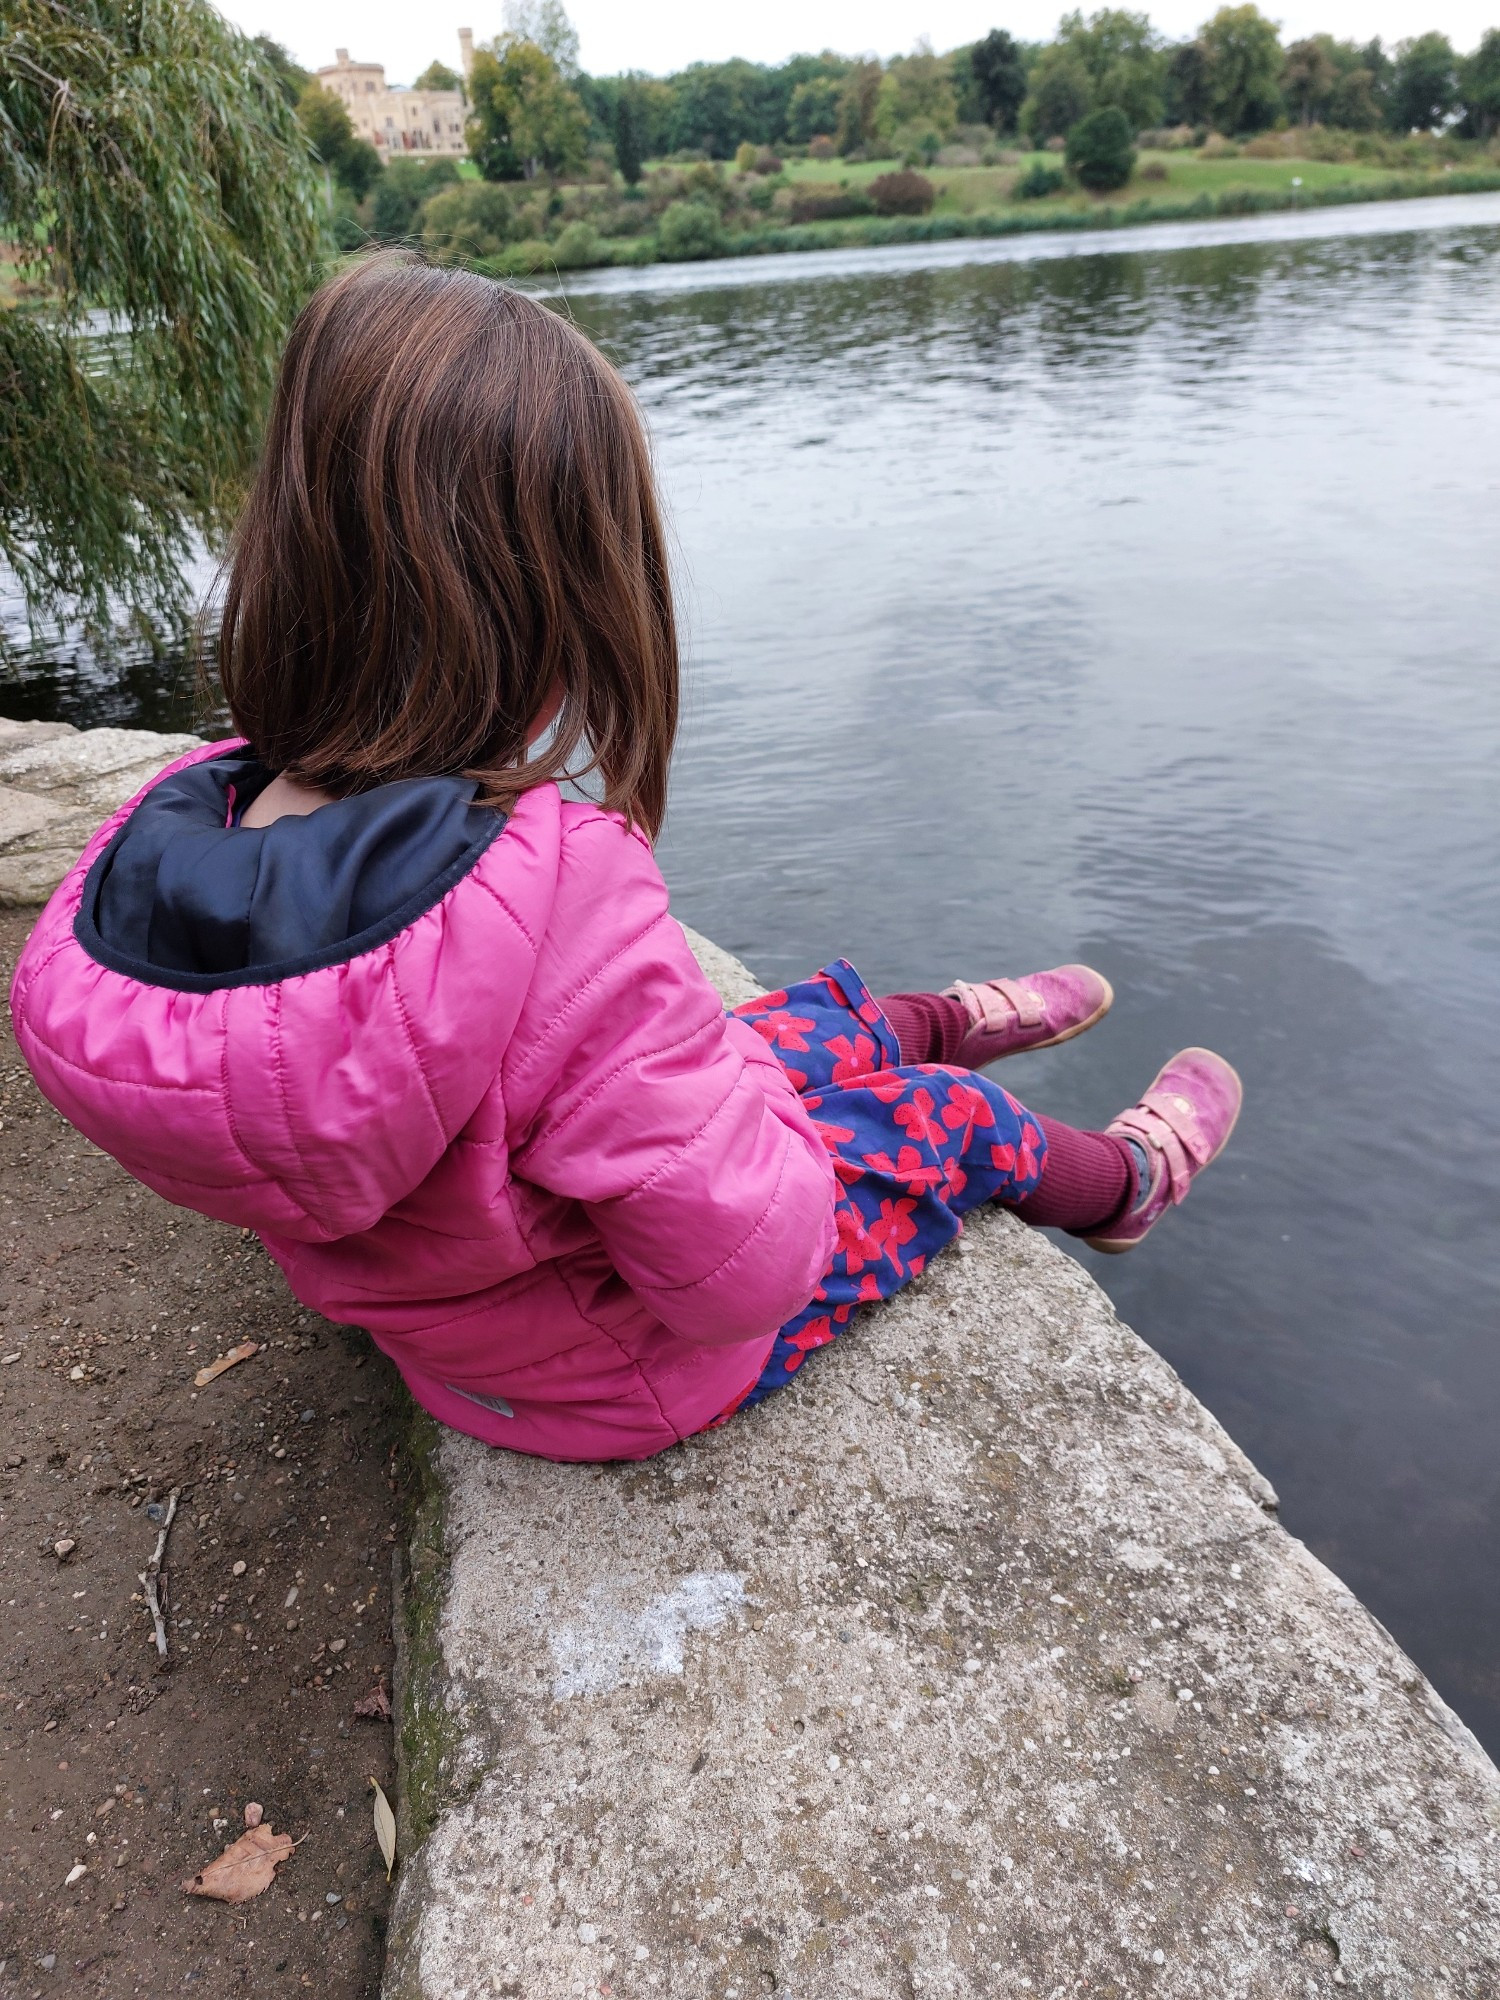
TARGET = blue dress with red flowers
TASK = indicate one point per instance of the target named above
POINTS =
(914, 1147)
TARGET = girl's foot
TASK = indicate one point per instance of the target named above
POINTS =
(1179, 1127)
(1034, 1012)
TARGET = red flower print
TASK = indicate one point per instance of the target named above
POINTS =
(783, 1029)
(885, 1085)
(854, 1058)
(968, 1107)
(893, 1228)
(817, 1333)
(955, 1180)
(1004, 1158)
(914, 1173)
(855, 1244)
(916, 1119)
(833, 1136)
(1031, 1151)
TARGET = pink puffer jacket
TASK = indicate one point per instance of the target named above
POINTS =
(519, 1141)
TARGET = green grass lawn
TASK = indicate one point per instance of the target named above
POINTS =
(984, 190)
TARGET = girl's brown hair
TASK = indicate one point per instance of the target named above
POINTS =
(453, 527)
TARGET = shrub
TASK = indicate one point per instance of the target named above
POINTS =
(1154, 170)
(812, 203)
(578, 245)
(820, 147)
(767, 162)
(1270, 146)
(1038, 181)
(1169, 139)
(918, 142)
(904, 193)
(689, 230)
(1100, 150)
(520, 260)
(744, 157)
(1217, 147)
(704, 179)
(474, 219)
(391, 208)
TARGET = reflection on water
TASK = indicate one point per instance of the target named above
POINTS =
(1142, 607)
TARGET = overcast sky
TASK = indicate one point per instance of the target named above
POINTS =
(662, 35)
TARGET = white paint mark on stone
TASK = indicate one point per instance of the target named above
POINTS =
(611, 1643)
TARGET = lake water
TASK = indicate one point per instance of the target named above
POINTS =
(1138, 601)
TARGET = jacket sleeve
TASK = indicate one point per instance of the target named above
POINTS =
(675, 1126)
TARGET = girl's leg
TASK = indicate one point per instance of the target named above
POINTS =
(828, 1031)
(979, 1024)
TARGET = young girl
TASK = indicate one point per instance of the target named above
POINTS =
(367, 982)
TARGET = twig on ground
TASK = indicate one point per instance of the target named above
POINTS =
(151, 1575)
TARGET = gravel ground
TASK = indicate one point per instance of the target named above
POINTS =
(279, 1572)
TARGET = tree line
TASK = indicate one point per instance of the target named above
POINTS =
(532, 109)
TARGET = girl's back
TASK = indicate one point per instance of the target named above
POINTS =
(439, 1041)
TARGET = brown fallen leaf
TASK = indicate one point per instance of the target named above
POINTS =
(376, 1705)
(245, 1868)
(232, 1359)
(385, 1828)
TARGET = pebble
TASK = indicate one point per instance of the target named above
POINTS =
(337, 1645)
(155, 1511)
(238, 1570)
(64, 1548)
(307, 1416)
(332, 1898)
(75, 1374)
(75, 1874)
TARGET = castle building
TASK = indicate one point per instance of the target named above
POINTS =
(410, 124)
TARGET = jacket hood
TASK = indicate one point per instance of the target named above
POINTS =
(185, 896)
(286, 1028)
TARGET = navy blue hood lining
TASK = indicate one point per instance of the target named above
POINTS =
(182, 898)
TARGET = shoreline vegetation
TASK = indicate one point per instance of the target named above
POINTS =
(541, 259)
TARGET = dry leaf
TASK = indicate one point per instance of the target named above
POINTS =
(244, 1869)
(230, 1360)
(385, 1828)
(376, 1705)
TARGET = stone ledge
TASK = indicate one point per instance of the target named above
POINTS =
(975, 1663)
(56, 784)
(632, 1689)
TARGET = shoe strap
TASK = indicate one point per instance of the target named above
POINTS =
(999, 1004)
(1169, 1125)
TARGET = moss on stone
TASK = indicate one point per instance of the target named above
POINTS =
(427, 1731)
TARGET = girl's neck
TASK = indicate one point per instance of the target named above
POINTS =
(283, 798)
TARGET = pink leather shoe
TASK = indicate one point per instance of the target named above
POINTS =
(1182, 1124)
(1034, 1012)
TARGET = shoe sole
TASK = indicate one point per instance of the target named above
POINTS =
(1116, 1246)
(1068, 1034)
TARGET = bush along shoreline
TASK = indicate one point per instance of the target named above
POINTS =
(700, 237)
